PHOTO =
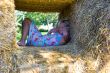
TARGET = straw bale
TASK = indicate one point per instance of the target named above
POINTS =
(89, 23)
(7, 25)
(42, 5)
(37, 59)
(40, 60)
(90, 31)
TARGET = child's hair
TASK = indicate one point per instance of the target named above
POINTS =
(27, 19)
(66, 23)
(23, 24)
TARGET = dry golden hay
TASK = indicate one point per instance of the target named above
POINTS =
(42, 5)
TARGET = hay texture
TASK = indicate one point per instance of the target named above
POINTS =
(90, 23)
(7, 25)
(87, 52)
(41, 60)
(42, 5)
(90, 31)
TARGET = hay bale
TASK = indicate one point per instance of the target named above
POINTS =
(42, 5)
(7, 25)
(90, 31)
(89, 22)
(43, 61)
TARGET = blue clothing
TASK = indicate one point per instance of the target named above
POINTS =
(35, 38)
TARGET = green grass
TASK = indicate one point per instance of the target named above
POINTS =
(43, 33)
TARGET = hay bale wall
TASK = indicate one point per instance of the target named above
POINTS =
(7, 24)
(90, 33)
(90, 23)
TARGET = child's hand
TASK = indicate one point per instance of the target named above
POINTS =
(53, 30)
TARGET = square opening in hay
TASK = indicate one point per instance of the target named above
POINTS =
(39, 28)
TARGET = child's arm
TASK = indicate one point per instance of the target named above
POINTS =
(52, 31)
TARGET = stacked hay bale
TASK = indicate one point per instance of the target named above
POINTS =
(7, 25)
(42, 5)
(90, 31)
(89, 23)
(90, 35)
(7, 34)
(89, 20)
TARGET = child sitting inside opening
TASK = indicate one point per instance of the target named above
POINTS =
(56, 36)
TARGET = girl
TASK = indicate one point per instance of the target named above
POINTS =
(56, 36)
